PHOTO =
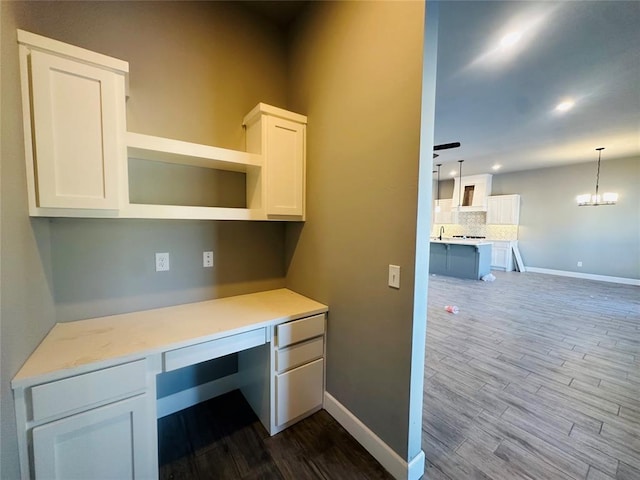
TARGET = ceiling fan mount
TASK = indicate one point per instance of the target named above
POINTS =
(444, 146)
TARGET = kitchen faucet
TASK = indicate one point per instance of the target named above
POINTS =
(441, 232)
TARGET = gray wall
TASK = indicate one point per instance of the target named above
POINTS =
(186, 83)
(555, 233)
(356, 72)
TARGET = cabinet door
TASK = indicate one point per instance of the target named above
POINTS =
(493, 211)
(78, 128)
(444, 215)
(299, 391)
(285, 167)
(500, 255)
(114, 441)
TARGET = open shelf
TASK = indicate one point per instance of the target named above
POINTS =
(147, 147)
(165, 150)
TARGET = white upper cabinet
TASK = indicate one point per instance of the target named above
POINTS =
(77, 147)
(280, 137)
(503, 210)
(74, 121)
(445, 214)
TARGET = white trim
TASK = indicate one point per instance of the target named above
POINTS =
(587, 276)
(192, 396)
(390, 460)
(34, 41)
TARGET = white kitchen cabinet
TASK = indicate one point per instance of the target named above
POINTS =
(444, 216)
(280, 137)
(503, 210)
(502, 255)
(85, 399)
(78, 148)
(108, 442)
(97, 424)
(299, 391)
(74, 121)
(290, 386)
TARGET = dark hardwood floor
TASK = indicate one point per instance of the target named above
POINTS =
(223, 439)
(537, 377)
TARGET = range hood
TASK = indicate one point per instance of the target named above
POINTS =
(471, 193)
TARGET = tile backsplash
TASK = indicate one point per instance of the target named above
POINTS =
(474, 223)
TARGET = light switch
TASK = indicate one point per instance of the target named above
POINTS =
(394, 276)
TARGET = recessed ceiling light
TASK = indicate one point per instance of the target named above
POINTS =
(453, 173)
(497, 166)
(564, 105)
(510, 39)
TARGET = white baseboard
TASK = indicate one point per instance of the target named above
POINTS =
(192, 396)
(587, 276)
(390, 460)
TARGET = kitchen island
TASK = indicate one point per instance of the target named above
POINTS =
(460, 258)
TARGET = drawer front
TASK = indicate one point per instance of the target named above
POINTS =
(299, 391)
(201, 352)
(299, 330)
(295, 355)
(88, 389)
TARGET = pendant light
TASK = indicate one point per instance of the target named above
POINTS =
(587, 200)
(460, 185)
(438, 188)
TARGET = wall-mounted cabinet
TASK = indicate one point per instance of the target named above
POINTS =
(74, 122)
(503, 210)
(78, 150)
(470, 193)
(279, 136)
(444, 215)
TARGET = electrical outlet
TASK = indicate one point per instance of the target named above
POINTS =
(579, 264)
(207, 259)
(162, 262)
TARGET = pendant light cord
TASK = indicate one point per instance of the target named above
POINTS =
(460, 187)
(598, 171)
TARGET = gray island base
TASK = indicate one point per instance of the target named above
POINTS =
(459, 258)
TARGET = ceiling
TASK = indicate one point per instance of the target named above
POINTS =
(500, 102)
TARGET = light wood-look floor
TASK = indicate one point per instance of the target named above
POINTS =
(537, 377)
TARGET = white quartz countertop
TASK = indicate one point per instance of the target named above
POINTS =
(74, 345)
(462, 241)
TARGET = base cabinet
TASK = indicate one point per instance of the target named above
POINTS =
(299, 391)
(462, 261)
(298, 370)
(502, 256)
(104, 443)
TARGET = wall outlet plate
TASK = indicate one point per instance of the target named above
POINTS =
(162, 262)
(207, 259)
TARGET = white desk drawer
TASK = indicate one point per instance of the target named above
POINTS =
(89, 389)
(182, 357)
(299, 330)
(295, 355)
(299, 391)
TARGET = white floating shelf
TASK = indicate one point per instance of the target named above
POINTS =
(147, 147)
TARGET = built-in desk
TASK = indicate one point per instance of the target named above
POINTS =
(86, 398)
